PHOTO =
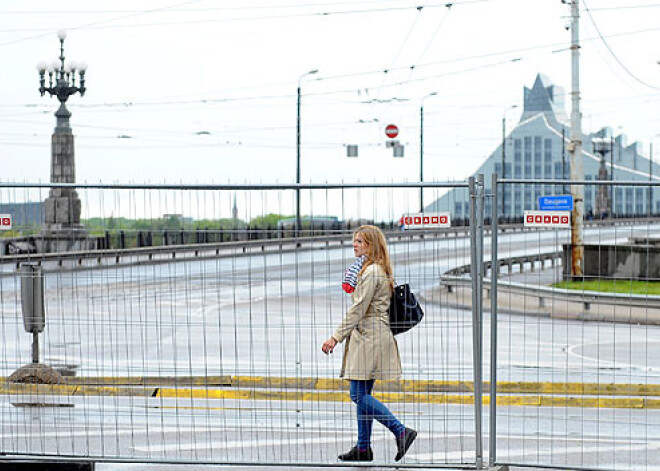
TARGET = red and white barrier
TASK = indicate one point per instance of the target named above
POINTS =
(425, 220)
(547, 219)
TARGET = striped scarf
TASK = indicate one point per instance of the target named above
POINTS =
(351, 274)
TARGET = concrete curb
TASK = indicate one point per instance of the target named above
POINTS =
(35, 392)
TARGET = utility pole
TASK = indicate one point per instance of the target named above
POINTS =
(421, 150)
(563, 158)
(575, 148)
(650, 208)
(612, 176)
(504, 155)
(298, 231)
(503, 165)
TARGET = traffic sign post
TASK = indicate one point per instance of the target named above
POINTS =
(5, 222)
(549, 219)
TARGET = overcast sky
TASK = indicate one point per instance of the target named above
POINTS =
(205, 91)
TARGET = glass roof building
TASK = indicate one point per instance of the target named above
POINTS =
(537, 148)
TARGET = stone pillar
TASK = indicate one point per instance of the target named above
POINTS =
(62, 231)
(63, 206)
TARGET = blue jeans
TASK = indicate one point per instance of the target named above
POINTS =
(368, 409)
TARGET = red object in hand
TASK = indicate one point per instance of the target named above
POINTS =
(347, 287)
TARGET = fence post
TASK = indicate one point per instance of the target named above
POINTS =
(494, 273)
(475, 270)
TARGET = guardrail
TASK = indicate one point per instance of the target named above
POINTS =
(544, 293)
(182, 252)
(210, 249)
(509, 262)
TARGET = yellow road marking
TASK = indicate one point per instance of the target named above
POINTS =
(411, 386)
(316, 395)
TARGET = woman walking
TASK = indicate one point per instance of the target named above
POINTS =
(370, 350)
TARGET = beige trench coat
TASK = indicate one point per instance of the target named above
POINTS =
(370, 351)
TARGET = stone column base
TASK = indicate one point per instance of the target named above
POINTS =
(58, 239)
(36, 373)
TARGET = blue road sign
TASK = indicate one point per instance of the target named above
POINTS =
(556, 203)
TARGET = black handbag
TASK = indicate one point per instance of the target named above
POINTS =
(405, 311)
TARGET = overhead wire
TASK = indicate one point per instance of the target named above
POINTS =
(396, 55)
(342, 76)
(205, 9)
(320, 93)
(627, 7)
(143, 12)
(412, 68)
(102, 23)
(614, 56)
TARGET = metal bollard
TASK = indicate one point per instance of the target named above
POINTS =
(32, 302)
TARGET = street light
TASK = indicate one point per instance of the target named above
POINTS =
(62, 207)
(421, 149)
(602, 145)
(504, 152)
(62, 80)
(650, 208)
(298, 221)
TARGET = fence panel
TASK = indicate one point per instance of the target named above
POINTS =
(186, 325)
(577, 363)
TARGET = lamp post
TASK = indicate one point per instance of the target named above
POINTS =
(612, 192)
(650, 208)
(602, 145)
(504, 153)
(421, 150)
(298, 221)
(62, 207)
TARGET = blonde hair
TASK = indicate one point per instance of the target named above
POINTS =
(376, 250)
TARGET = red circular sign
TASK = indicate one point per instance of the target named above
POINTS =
(392, 131)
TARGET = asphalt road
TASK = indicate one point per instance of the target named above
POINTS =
(267, 315)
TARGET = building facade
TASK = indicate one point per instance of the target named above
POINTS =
(24, 215)
(537, 148)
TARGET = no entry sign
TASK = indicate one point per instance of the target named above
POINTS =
(547, 219)
(425, 220)
(5, 222)
(391, 131)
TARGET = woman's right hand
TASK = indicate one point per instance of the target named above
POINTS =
(329, 345)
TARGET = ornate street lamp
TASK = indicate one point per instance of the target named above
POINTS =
(62, 207)
(62, 80)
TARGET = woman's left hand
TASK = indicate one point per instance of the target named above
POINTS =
(329, 345)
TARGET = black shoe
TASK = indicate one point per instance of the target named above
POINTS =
(357, 455)
(403, 442)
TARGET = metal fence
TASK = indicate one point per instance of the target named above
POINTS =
(205, 348)
(576, 369)
(209, 351)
